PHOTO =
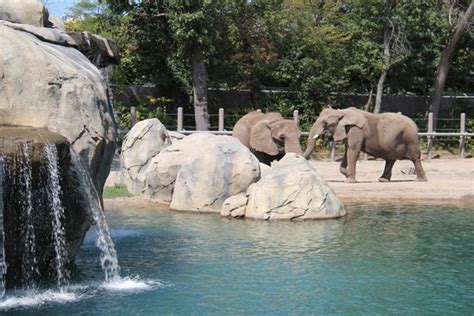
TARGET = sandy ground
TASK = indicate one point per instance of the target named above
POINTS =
(449, 181)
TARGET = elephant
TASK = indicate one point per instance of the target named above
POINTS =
(269, 136)
(389, 136)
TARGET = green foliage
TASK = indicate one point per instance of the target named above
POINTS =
(115, 192)
(308, 52)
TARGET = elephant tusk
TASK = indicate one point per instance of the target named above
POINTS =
(315, 136)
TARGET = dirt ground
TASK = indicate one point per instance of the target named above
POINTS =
(449, 181)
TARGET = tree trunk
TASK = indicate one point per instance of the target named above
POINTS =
(369, 100)
(444, 63)
(387, 34)
(201, 112)
(378, 96)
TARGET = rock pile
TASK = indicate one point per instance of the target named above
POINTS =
(200, 172)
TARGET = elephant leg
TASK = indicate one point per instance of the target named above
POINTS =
(415, 156)
(351, 164)
(343, 165)
(420, 173)
(387, 172)
(263, 157)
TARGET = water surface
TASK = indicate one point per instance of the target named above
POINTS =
(385, 259)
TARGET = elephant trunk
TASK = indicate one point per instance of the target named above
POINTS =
(313, 133)
(293, 147)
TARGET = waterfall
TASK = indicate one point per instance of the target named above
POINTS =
(108, 257)
(30, 260)
(2, 248)
(57, 211)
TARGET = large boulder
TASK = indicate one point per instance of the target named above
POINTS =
(292, 190)
(30, 12)
(99, 50)
(46, 82)
(143, 142)
(200, 172)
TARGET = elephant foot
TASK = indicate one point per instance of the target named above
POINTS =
(382, 179)
(343, 171)
(421, 179)
(350, 180)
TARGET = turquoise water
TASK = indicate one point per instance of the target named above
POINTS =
(383, 260)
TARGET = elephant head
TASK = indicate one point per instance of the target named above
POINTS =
(334, 124)
(275, 137)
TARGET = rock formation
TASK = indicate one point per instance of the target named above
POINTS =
(51, 87)
(200, 172)
(143, 142)
(47, 82)
(29, 12)
(290, 189)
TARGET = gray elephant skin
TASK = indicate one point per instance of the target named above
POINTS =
(389, 136)
(268, 135)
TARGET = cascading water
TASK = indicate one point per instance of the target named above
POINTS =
(48, 201)
(39, 237)
(2, 249)
(108, 257)
(57, 210)
(30, 259)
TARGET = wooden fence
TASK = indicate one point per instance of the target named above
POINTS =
(430, 134)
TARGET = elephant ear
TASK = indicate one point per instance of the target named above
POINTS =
(261, 139)
(348, 118)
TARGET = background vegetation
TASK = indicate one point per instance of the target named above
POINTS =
(310, 52)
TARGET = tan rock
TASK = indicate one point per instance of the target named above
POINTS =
(200, 171)
(30, 12)
(234, 206)
(50, 85)
(143, 142)
(292, 190)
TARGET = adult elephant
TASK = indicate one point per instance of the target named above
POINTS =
(268, 135)
(388, 136)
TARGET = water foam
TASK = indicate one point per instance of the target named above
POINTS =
(35, 299)
(73, 293)
(130, 284)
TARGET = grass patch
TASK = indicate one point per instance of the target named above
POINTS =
(116, 191)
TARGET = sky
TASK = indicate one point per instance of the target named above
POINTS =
(58, 7)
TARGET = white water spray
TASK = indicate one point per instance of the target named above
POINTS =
(108, 257)
(57, 212)
(2, 237)
(30, 262)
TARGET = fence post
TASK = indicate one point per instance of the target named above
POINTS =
(296, 117)
(332, 156)
(430, 137)
(133, 115)
(221, 120)
(179, 122)
(462, 137)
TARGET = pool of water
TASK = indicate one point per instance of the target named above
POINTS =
(378, 260)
